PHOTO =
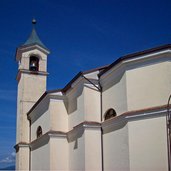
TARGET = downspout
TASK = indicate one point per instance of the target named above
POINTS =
(168, 127)
(29, 143)
(101, 113)
(99, 88)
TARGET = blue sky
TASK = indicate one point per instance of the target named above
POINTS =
(81, 35)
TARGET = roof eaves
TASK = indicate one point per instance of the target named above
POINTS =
(133, 55)
(32, 44)
(41, 98)
(53, 91)
(95, 69)
(68, 86)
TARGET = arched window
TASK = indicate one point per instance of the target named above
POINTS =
(39, 131)
(34, 63)
(110, 114)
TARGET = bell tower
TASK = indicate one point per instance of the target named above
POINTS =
(31, 77)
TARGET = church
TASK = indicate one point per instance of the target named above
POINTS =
(112, 118)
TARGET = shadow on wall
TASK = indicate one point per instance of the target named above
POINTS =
(114, 80)
(72, 100)
(74, 135)
(40, 111)
(114, 127)
(41, 141)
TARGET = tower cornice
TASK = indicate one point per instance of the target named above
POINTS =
(20, 71)
(30, 47)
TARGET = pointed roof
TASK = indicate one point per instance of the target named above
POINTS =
(34, 38)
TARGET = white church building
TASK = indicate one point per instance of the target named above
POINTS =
(112, 118)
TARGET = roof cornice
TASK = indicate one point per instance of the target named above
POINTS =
(135, 55)
(40, 99)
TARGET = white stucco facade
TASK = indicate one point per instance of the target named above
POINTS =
(74, 133)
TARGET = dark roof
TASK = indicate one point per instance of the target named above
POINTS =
(133, 55)
(34, 39)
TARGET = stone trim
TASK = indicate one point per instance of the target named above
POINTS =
(57, 134)
(30, 72)
(78, 130)
(30, 47)
(44, 139)
(150, 109)
(33, 72)
(21, 144)
(88, 124)
(125, 117)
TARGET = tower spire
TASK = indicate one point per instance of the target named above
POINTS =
(34, 38)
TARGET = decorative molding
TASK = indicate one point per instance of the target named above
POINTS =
(78, 130)
(21, 144)
(20, 71)
(33, 46)
(138, 55)
(53, 134)
(157, 111)
(139, 61)
(44, 139)
(33, 72)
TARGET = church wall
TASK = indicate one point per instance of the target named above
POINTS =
(22, 154)
(19, 128)
(59, 153)
(92, 104)
(76, 106)
(116, 147)
(148, 84)
(41, 117)
(24, 126)
(148, 145)
(23, 106)
(114, 92)
(58, 115)
(40, 158)
(93, 159)
(77, 151)
(34, 86)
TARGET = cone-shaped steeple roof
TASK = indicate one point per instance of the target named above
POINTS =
(34, 38)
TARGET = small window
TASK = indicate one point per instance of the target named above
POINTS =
(34, 63)
(110, 114)
(39, 132)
